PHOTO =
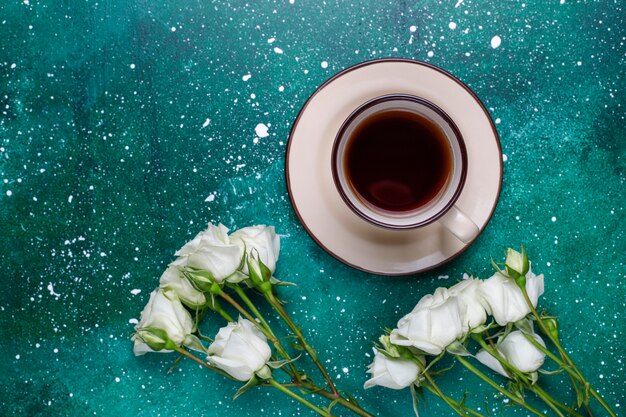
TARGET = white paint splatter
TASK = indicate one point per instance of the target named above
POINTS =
(70, 198)
(9, 193)
(430, 54)
(452, 25)
(579, 63)
(133, 321)
(562, 2)
(246, 77)
(413, 29)
(173, 29)
(132, 66)
(206, 122)
(278, 50)
(498, 120)
(281, 88)
(135, 291)
(553, 219)
(458, 3)
(504, 157)
(252, 96)
(271, 40)
(324, 64)
(292, 1)
(261, 130)
(210, 198)
(13, 66)
(51, 289)
(496, 41)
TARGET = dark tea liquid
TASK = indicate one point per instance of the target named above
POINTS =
(397, 160)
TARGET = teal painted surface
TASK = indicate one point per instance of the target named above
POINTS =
(126, 126)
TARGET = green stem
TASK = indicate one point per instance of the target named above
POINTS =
(298, 333)
(194, 358)
(277, 344)
(340, 400)
(548, 400)
(452, 403)
(247, 315)
(225, 315)
(563, 353)
(298, 398)
(497, 387)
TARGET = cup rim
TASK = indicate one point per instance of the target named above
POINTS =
(420, 100)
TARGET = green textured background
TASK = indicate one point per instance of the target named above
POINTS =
(107, 169)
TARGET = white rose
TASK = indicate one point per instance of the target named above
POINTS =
(471, 302)
(241, 350)
(260, 239)
(211, 250)
(394, 373)
(505, 301)
(518, 351)
(173, 279)
(434, 323)
(164, 321)
(516, 261)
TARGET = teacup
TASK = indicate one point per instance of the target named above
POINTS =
(399, 162)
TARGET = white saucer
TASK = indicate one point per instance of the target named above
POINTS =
(321, 209)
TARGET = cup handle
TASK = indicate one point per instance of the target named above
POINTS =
(459, 224)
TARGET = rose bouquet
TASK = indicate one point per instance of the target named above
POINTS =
(496, 318)
(217, 268)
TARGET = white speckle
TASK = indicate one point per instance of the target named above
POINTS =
(13, 66)
(132, 66)
(504, 157)
(261, 130)
(206, 122)
(413, 29)
(324, 64)
(345, 370)
(278, 50)
(579, 63)
(135, 291)
(281, 88)
(210, 198)
(253, 96)
(292, 1)
(498, 120)
(117, 379)
(255, 140)
(553, 219)
(548, 264)
(495, 41)
(173, 29)
(246, 77)
(9, 193)
(452, 25)
(443, 277)
(55, 350)
(458, 3)
(70, 198)
(27, 2)
(271, 40)
(133, 321)
(430, 54)
(103, 254)
(51, 289)
(304, 297)
(562, 2)
(17, 357)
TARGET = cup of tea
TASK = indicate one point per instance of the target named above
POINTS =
(399, 162)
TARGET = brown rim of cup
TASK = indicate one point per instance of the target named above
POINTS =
(415, 99)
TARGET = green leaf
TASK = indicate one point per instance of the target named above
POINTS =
(279, 364)
(457, 348)
(546, 372)
(525, 326)
(331, 405)
(297, 346)
(193, 343)
(253, 382)
(278, 283)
